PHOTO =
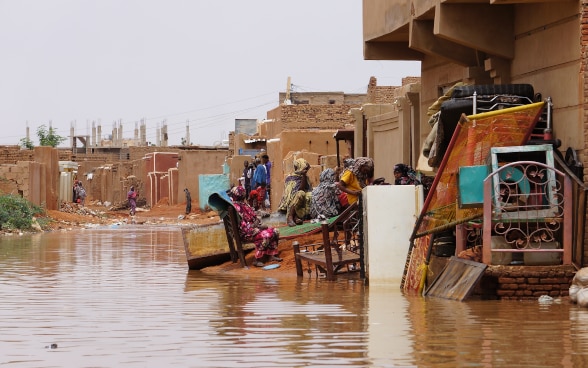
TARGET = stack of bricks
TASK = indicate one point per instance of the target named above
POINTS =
(528, 282)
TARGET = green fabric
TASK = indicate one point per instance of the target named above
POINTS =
(304, 229)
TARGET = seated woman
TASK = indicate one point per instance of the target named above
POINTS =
(297, 193)
(356, 178)
(325, 197)
(252, 230)
(405, 175)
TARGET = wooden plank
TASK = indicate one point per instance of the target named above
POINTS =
(457, 279)
(319, 257)
(234, 224)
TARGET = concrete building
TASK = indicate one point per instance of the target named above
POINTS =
(502, 42)
(541, 43)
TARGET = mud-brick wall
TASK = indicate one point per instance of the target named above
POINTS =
(379, 94)
(12, 154)
(22, 179)
(10, 175)
(137, 153)
(275, 113)
(108, 183)
(527, 282)
(316, 116)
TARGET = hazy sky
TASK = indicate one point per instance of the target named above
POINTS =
(207, 62)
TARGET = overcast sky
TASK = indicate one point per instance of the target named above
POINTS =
(202, 62)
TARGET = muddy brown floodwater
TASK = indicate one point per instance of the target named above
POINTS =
(122, 295)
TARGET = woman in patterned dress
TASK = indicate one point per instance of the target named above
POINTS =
(252, 230)
(297, 193)
(325, 200)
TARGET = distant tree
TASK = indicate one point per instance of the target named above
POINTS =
(26, 143)
(184, 142)
(48, 137)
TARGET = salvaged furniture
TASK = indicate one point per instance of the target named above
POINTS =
(340, 247)
(528, 210)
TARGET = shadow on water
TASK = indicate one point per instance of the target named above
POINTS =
(124, 297)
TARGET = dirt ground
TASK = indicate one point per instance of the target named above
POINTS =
(72, 216)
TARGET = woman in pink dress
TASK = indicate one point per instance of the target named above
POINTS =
(252, 230)
(132, 197)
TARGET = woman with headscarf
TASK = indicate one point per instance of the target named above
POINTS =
(297, 192)
(347, 164)
(132, 198)
(356, 178)
(405, 175)
(325, 200)
(252, 230)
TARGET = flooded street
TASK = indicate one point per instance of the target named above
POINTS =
(124, 297)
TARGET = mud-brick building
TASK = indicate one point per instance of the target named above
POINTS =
(158, 173)
(302, 122)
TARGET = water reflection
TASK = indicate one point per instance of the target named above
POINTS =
(112, 297)
(262, 321)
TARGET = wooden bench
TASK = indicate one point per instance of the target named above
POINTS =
(333, 255)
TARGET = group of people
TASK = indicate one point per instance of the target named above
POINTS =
(337, 189)
(300, 201)
(257, 181)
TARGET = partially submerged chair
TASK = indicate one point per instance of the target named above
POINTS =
(321, 255)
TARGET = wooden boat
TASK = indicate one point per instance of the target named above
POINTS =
(216, 244)
(207, 246)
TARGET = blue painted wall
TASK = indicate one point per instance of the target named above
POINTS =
(208, 184)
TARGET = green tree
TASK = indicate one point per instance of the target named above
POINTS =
(48, 137)
(26, 143)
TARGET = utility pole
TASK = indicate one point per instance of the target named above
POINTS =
(287, 101)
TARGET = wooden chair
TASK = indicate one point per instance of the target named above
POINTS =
(345, 254)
